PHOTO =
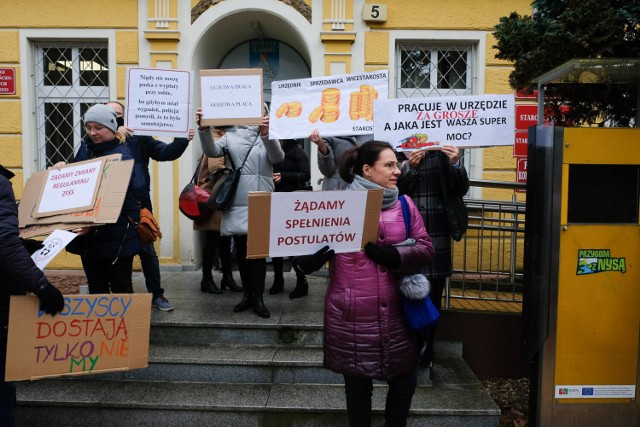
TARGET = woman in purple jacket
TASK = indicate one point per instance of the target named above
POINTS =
(365, 334)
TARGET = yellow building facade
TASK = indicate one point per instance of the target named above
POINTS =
(68, 55)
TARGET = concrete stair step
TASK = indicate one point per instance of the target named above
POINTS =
(236, 363)
(450, 401)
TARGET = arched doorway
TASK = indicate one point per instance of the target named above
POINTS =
(244, 34)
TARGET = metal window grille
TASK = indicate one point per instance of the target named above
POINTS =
(434, 70)
(428, 69)
(69, 78)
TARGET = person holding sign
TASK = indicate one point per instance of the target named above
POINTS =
(143, 148)
(363, 310)
(421, 178)
(19, 276)
(330, 151)
(107, 251)
(292, 174)
(250, 143)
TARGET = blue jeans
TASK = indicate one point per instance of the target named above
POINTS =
(7, 403)
(151, 269)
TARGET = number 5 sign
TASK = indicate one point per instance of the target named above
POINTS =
(374, 12)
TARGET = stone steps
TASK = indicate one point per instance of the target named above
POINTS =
(210, 366)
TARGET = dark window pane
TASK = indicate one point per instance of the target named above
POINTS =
(83, 109)
(57, 66)
(452, 69)
(93, 67)
(58, 132)
(414, 69)
(603, 194)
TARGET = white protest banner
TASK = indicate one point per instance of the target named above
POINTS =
(231, 97)
(159, 101)
(335, 105)
(301, 222)
(71, 188)
(463, 121)
(52, 247)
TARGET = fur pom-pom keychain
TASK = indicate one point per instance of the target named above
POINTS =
(415, 286)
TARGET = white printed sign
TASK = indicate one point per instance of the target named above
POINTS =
(52, 247)
(159, 101)
(428, 123)
(231, 97)
(308, 221)
(335, 105)
(71, 188)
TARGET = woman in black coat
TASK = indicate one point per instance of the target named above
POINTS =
(292, 174)
(107, 251)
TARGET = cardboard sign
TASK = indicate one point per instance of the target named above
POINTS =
(231, 97)
(72, 188)
(428, 123)
(335, 105)
(108, 202)
(159, 101)
(93, 333)
(309, 220)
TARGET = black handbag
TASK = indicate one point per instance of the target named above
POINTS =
(455, 210)
(225, 192)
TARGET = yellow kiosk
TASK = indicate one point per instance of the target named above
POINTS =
(582, 276)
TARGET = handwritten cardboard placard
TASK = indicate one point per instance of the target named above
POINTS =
(93, 333)
(231, 97)
(335, 105)
(72, 188)
(106, 209)
(159, 101)
(428, 123)
(305, 221)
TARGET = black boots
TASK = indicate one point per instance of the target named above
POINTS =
(245, 303)
(278, 285)
(209, 286)
(301, 289)
(259, 308)
(228, 282)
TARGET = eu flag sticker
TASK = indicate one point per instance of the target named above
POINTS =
(587, 391)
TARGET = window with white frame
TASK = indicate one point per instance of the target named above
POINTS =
(428, 69)
(69, 78)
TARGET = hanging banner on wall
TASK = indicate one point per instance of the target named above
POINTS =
(158, 101)
(335, 105)
(428, 123)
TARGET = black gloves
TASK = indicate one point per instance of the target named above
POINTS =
(51, 299)
(383, 255)
(309, 263)
(32, 245)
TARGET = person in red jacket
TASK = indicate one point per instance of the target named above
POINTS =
(366, 336)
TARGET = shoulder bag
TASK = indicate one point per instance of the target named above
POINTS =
(225, 192)
(193, 199)
(148, 228)
(419, 312)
